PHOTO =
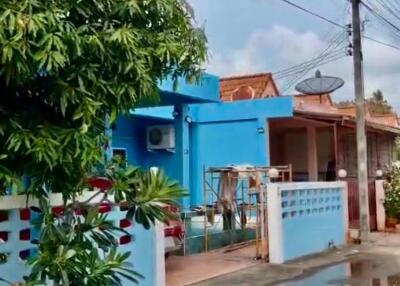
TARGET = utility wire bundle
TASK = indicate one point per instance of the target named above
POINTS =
(337, 48)
(387, 12)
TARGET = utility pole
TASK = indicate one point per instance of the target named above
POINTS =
(360, 119)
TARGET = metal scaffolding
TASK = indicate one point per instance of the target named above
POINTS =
(249, 201)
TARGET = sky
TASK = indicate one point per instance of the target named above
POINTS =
(252, 36)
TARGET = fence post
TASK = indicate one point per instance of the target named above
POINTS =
(159, 244)
(346, 210)
(275, 236)
(380, 210)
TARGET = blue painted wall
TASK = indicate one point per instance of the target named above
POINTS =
(230, 133)
(142, 258)
(126, 135)
(206, 134)
(220, 144)
(276, 107)
(311, 218)
(207, 89)
(131, 133)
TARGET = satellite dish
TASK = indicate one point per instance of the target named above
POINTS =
(319, 84)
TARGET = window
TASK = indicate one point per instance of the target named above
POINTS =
(121, 154)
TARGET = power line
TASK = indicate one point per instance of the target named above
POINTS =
(326, 56)
(332, 48)
(301, 67)
(382, 43)
(388, 8)
(330, 53)
(369, 8)
(292, 82)
(374, 12)
(314, 14)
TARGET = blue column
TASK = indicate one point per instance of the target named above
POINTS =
(263, 140)
(182, 122)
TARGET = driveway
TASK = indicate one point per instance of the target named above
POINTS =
(376, 264)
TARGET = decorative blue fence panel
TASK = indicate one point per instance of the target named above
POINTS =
(308, 218)
(18, 240)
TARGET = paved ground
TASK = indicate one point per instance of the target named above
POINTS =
(375, 264)
(191, 269)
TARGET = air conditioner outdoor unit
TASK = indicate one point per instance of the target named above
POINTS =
(161, 137)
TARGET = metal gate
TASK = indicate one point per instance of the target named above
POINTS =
(354, 209)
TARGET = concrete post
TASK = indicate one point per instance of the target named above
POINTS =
(274, 209)
(312, 154)
(346, 210)
(159, 246)
(380, 209)
(360, 123)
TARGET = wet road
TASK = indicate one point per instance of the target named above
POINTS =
(372, 270)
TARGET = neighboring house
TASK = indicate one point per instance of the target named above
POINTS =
(320, 138)
(247, 87)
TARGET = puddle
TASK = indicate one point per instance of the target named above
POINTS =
(361, 271)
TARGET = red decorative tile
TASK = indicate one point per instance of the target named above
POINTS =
(4, 236)
(105, 208)
(57, 210)
(24, 254)
(125, 239)
(101, 183)
(3, 216)
(24, 214)
(124, 223)
(25, 234)
(123, 206)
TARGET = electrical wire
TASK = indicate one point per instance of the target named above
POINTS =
(333, 47)
(301, 67)
(395, 8)
(332, 52)
(295, 71)
(375, 11)
(382, 43)
(314, 14)
(385, 6)
(327, 56)
(378, 13)
(291, 83)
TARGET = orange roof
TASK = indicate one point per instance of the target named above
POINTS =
(386, 119)
(247, 87)
(321, 106)
(346, 113)
(324, 99)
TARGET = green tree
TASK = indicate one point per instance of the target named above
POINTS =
(65, 67)
(377, 103)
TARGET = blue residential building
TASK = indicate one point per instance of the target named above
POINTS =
(201, 132)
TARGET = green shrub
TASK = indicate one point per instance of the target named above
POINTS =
(392, 191)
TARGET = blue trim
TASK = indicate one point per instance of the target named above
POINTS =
(206, 90)
(276, 107)
(158, 112)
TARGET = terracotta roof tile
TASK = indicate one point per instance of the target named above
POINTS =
(324, 99)
(261, 85)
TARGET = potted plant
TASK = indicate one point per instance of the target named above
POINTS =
(391, 208)
(392, 195)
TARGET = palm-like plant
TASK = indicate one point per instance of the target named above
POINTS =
(78, 246)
